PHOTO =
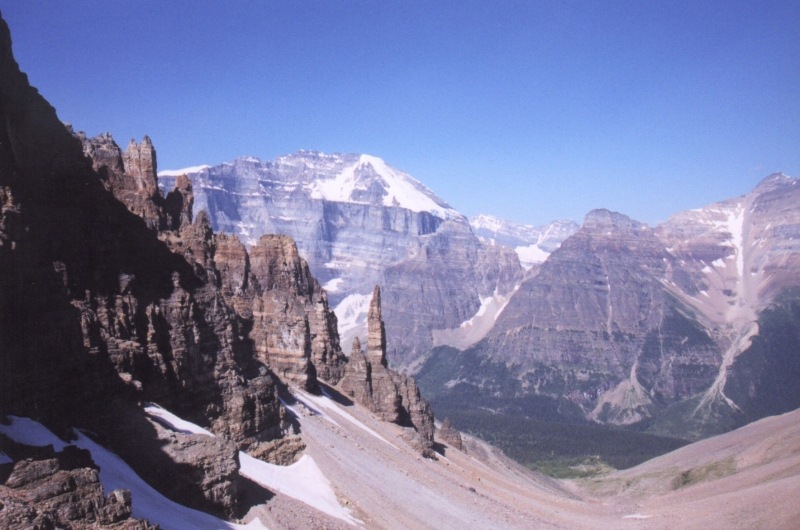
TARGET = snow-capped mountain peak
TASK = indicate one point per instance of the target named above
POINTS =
(369, 179)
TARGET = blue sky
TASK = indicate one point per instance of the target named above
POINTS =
(530, 110)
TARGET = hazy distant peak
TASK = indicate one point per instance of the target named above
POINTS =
(533, 244)
(775, 179)
(607, 219)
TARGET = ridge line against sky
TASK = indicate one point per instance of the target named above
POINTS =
(530, 111)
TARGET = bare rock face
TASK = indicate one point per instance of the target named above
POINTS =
(265, 299)
(433, 269)
(62, 490)
(140, 163)
(129, 175)
(213, 464)
(449, 435)
(97, 314)
(357, 380)
(415, 411)
(625, 322)
(392, 396)
(376, 332)
(273, 291)
(178, 204)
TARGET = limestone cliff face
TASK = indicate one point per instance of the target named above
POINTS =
(597, 326)
(186, 350)
(292, 327)
(110, 296)
(391, 395)
(625, 322)
(131, 177)
(269, 288)
(356, 231)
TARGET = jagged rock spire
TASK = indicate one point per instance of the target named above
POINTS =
(376, 332)
(140, 162)
(391, 395)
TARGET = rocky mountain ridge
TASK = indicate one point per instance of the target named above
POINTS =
(533, 244)
(631, 322)
(113, 295)
(359, 222)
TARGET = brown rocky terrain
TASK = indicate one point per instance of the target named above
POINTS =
(46, 489)
(742, 479)
(111, 296)
(389, 394)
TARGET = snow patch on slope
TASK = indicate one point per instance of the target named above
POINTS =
(147, 503)
(302, 480)
(471, 331)
(351, 314)
(531, 255)
(172, 421)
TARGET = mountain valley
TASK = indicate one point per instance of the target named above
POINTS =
(253, 345)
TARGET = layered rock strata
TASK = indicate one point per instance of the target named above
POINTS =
(61, 490)
(450, 436)
(111, 295)
(391, 395)
(356, 230)
(625, 322)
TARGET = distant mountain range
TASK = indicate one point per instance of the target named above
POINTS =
(634, 325)
(614, 321)
(533, 244)
(360, 222)
(155, 372)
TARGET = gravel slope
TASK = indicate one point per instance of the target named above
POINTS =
(739, 480)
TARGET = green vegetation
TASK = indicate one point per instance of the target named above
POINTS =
(544, 433)
(558, 447)
(572, 468)
(711, 471)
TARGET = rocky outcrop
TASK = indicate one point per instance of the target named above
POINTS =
(356, 230)
(129, 175)
(61, 490)
(625, 322)
(213, 464)
(391, 395)
(273, 297)
(109, 297)
(357, 380)
(450, 436)
(286, 310)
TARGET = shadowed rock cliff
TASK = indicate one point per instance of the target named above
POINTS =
(391, 395)
(106, 304)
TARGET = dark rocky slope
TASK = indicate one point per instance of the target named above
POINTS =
(110, 296)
